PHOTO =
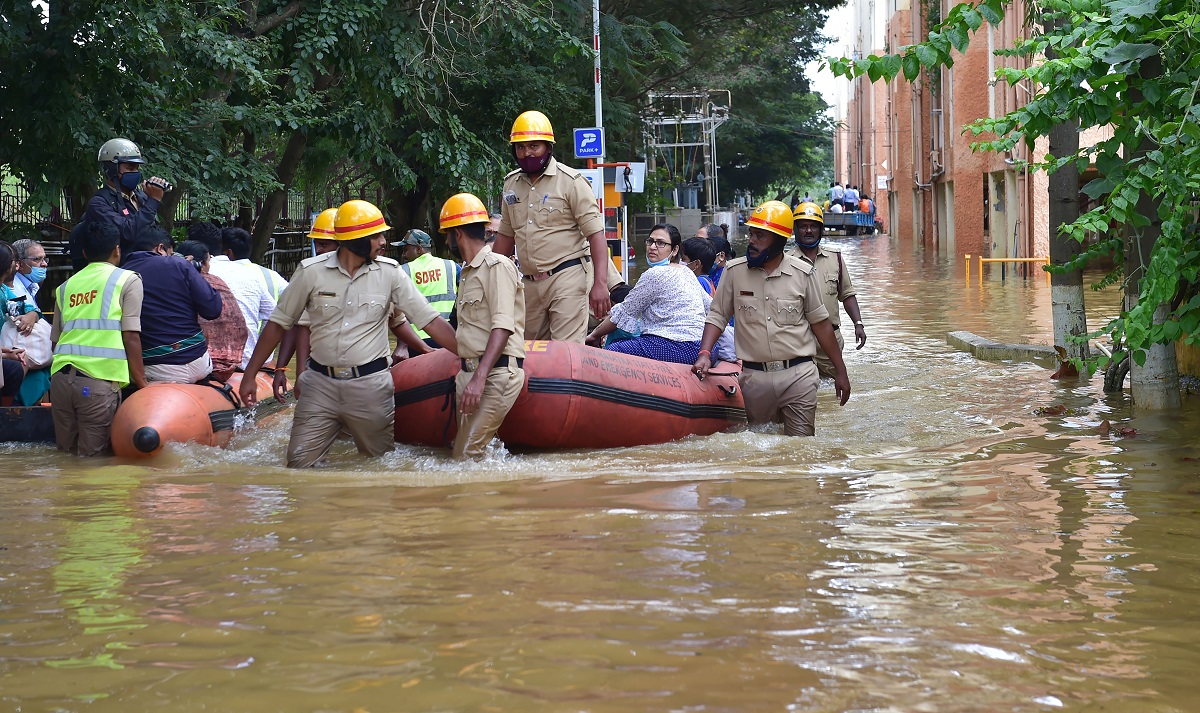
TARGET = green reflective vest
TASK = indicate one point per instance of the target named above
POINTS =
(437, 280)
(89, 306)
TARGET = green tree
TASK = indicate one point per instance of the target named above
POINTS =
(1132, 65)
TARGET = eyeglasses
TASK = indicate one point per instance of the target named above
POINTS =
(36, 260)
(660, 244)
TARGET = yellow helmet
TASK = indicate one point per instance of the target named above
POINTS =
(809, 211)
(772, 216)
(322, 227)
(531, 126)
(462, 209)
(358, 219)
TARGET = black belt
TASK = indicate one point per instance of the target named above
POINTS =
(353, 372)
(473, 364)
(556, 269)
(775, 365)
(836, 327)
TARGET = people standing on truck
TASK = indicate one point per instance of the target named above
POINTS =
(550, 215)
(491, 327)
(850, 199)
(124, 201)
(435, 277)
(780, 321)
(836, 193)
(350, 296)
(832, 276)
(98, 350)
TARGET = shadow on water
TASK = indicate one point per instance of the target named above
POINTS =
(942, 545)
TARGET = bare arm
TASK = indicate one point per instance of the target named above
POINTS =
(406, 335)
(133, 353)
(707, 340)
(503, 245)
(271, 335)
(823, 331)
(598, 299)
(474, 390)
(860, 333)
(443, 333)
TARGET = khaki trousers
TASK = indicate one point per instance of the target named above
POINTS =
(499, 393)
(82, 409)
(364, 407)
(789, 395)
(557, 308)
(824, 366)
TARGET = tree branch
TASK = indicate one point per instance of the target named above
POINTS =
(270, 22)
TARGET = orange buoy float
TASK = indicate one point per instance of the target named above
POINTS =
(575, 396)
(182, 413)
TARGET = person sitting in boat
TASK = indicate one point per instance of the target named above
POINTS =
(24, 328)
(667, 301)
(174, 349)
(227, 334)
(699, 255)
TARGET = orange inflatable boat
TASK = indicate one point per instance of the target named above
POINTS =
(575, 396)
(181, 413)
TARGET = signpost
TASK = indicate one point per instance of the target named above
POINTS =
(589, 142)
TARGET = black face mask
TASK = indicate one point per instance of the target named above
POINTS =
(360, 247)
(533, 164)
(767, 255)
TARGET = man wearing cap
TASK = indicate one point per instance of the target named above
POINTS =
(351, 295)
(491, 327)
(434, 277)
(780, 321)
(550, 215)
(832, 277)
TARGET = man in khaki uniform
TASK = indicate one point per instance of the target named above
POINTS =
(491, 327)
(780, 319)
(832, 276)
(350, 295)
(550, 214)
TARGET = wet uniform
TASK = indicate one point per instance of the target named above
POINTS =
(550, 220)
(491, 296)
(347, 383)
(96, 305)
(773, 313)
(836, 287)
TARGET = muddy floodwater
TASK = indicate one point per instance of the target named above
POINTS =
(943, 544)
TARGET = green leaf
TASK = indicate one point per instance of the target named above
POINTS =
(1129, 52)
(958, 37)
(892, 65)
(973, 19)
(927, 55)
(912, 66)
(992, 11)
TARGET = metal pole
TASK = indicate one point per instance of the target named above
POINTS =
(596, 65)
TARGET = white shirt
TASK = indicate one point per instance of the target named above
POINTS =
(836, 208)
(250, 290)
(836, 193)
(669, 303)
(851, 196)
(277, 281)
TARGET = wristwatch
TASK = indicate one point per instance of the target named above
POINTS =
(859, 324)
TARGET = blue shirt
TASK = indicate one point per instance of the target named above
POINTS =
(174, 293)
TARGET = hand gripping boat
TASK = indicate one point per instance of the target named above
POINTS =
(181, 413)
(575, 396)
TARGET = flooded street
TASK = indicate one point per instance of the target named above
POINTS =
(939, 546)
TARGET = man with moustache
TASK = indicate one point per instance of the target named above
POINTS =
(351, 295)
(781, 319)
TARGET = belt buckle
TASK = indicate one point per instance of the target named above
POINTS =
(775, 365)
(540, 276)
(343, 372)
(470, 364)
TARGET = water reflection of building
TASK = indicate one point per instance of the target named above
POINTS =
(904, 143)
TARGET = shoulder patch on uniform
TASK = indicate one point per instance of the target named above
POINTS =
(569, 171)
(387, 261)
(736, 261)
(511, 173)
(805, 266)
(831, 248)
(312, 260)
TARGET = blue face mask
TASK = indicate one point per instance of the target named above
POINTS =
(37, 274)
(130, 181)
(660, 263)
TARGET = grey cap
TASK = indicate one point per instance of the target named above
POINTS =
(416, 237)
(120, 151)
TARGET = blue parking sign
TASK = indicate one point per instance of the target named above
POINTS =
(589, 143)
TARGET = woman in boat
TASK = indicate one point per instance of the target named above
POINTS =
(667, 301)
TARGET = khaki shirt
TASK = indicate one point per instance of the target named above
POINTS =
(350, 315)
(490, 296)
(830, 267)
(773, 312)
(550, 218)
